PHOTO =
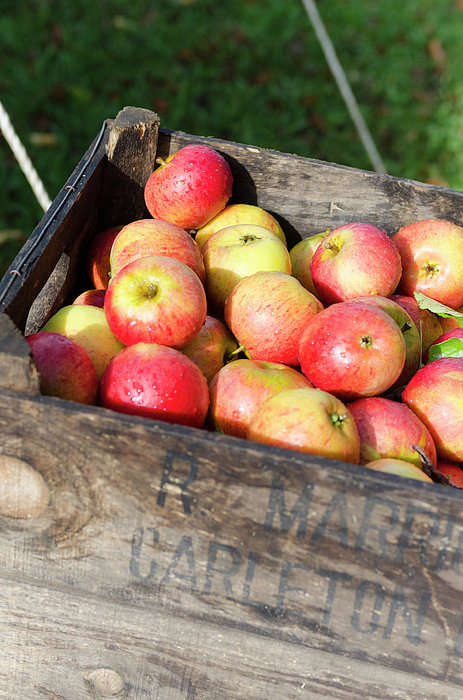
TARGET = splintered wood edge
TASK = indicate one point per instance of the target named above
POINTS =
(17, 369)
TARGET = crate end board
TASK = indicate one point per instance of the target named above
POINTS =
(141, 529)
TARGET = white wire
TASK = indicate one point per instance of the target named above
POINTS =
(343, 85)
(23, 159)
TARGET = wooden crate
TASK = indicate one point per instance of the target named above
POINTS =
(140, 559)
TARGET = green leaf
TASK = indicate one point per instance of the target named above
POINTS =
(436, 307)
(453, 347)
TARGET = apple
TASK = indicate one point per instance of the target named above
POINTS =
(432, 260)
(155, 381)
(93, 297)
(435, 394)
(241, 386)
(352, 349)
(428, 324)
(353, 260)
(390, 429)
(98, 253)
(155, 237)
(267, 312)
(398, 467)
(155, 299)
(452, 471)
(239, 214)
(190, 187)
(87, 325)
(212, 347)
(409, 331)
(301, 256)
(64, 366)
(236, 252)
(309, 420)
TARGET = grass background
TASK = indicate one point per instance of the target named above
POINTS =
(246, 70)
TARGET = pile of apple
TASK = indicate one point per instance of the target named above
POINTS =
(348, 346)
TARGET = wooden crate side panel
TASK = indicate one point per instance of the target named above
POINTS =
(308, 196)
(218, 532)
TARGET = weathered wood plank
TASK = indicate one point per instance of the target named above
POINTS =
(224, 534)
(308, 196)
(61, 644)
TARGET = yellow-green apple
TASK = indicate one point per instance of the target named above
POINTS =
(155, 299)
(155, 237)
(427, 323)
(352, 349)
(241, 386)
(98, 265)
(236, 252)
(453, 472)
(398, 467)
(212, 347)
(435, 394)
(64, 366)
(441, 348)
(301, 256)
(390, 429)
(190, 187)
(155, 381)
(267, 312)
(239, 214)
(353, 260)
(409, 331)
(309, 420)
(87, 325)
(93, 297)
(432, 260)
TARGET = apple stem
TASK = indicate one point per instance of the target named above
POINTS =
(235, 352)
(161, 161)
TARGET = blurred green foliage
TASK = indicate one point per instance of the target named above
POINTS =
(246, 70)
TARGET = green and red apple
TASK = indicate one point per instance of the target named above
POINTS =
(309, 420)
(155, 299)
(353, 260)
(267, 312)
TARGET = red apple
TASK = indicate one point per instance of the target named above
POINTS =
(309, 420)
(155, 381)
(98, 264)
(301, 256)
(191, 187)
(435, 394)
(156, 299)
(236, 252)
(390, 429)
(398, 467)
(88, 326)
(352, 349)
(267, 313)
(241, 386)
(65, 368)
(92, 297)
(155, 237)
(239, 214)
(427, 323)
(212, 347)
(453, 471)
(353, 260)
(409, 331)
(432, 260)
